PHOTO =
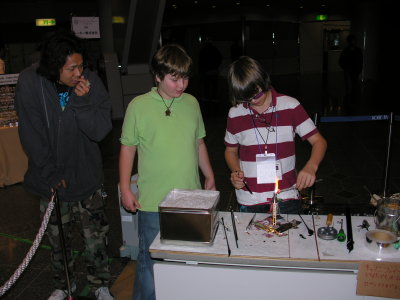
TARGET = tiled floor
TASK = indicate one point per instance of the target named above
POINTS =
(355, 162)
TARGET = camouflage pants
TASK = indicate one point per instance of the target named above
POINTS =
(94, 228)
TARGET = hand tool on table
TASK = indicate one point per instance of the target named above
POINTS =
(374, 198)
(350, 242)
(327, 233)
(234, 228)
(341, 236)
(364, 225)
(226, 237)
(310, 231)
(248, 227)
(286, 226)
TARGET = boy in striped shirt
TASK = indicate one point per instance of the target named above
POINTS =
(259, 140)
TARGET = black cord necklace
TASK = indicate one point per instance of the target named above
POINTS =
(168, 110)
(268, 126)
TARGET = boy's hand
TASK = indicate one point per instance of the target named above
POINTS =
(237, 179)
(306, 178)
(209, 184)
(129, 201)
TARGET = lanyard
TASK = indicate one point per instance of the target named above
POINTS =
(269, 129)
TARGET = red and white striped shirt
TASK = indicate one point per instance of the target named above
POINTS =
(275, 129)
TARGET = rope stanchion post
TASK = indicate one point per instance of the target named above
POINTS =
(316, 116)
(62, 242)
(387, 161)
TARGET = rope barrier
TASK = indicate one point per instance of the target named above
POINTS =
(21, 268)
(335, 119)
(389, 118)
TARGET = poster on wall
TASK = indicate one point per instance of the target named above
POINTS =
(8, 115)
(86, 27)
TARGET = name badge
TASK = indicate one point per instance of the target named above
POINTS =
(266, 168)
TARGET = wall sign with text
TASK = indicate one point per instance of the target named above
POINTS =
(86, 27)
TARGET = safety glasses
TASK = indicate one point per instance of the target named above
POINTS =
(255, 97)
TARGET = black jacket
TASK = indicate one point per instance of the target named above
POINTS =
(62, 144)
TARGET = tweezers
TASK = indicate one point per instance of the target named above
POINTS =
(247, 187)
(248, 227)
(226, 237)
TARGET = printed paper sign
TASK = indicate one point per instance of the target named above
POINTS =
(86, 27)
(379, 279)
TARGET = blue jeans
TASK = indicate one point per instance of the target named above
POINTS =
(285, 207)
(149, 227)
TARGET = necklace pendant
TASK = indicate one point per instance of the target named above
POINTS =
(167, 112)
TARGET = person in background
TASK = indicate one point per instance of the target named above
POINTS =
(209, 62)
(165, 128)
(2, 67)
(259, 139)
(351, 61)
(2, 57)
(64, 110)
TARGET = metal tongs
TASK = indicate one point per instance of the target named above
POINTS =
(248, 227)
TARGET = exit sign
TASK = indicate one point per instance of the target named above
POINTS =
(321, 17)
(45, 22)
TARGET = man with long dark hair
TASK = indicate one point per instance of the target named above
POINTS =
(64, 111)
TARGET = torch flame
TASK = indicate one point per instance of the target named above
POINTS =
(277, 190)
(274, 204)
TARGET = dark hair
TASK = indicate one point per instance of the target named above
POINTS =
(54, 52)
(246, 77)
(171, 59)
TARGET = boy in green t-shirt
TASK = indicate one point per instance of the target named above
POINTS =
(166, 128)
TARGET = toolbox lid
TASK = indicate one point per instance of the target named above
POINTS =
(190, 199)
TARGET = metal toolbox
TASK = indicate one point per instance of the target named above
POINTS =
(189, 217)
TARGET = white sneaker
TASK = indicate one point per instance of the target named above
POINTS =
(103, 293)
(61, 294)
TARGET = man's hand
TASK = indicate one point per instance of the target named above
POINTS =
(62, 183)
(83, 87)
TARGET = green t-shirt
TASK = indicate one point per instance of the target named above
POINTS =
(167, 146)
